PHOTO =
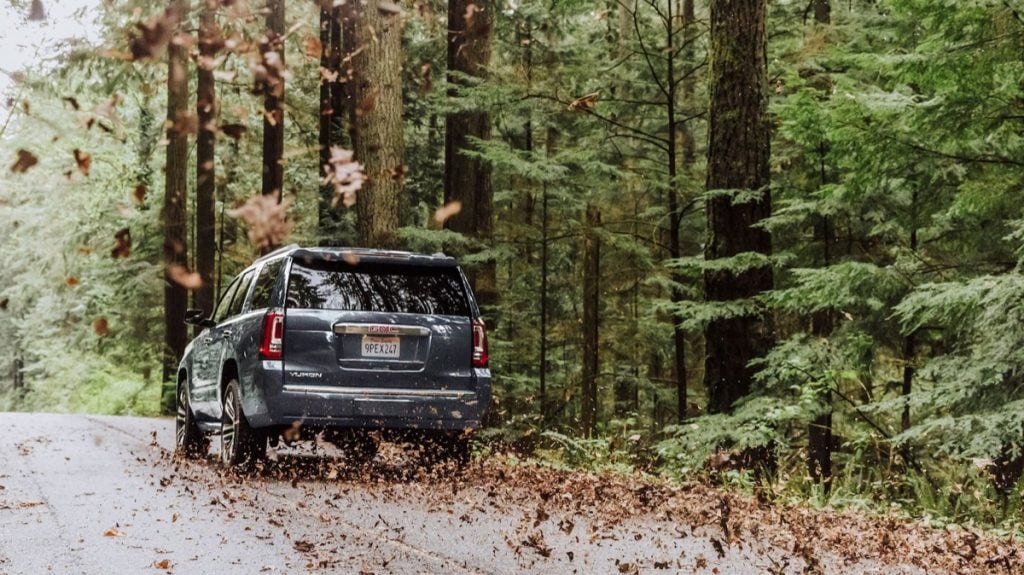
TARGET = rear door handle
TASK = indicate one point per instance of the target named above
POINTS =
(226, 334)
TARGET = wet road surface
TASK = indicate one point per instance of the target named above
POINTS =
(90, 494)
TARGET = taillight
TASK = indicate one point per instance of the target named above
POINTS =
(273, 335)
(479, 343)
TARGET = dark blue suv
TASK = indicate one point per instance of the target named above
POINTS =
(336, 341)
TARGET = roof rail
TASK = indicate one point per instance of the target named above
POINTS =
(278, 251)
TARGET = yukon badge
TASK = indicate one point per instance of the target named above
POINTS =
(305, 374)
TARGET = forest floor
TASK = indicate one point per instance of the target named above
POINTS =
(86, 494)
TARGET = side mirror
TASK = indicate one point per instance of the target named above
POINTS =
(198, 317)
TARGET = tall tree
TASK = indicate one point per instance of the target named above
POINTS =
(175, 202)
(738, 176)
(819, 432)
(272, 84)
(206, 186)
(377, 107)
(591, 318)
(330, 33)
(468, 179)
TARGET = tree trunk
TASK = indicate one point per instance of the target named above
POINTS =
(206, 185)
(738, 154)
(819, 432)
(272, 51)
(174, 211)
(331, 111)
(377, 104)
(675, 216)
(468, 180)
(591, 315)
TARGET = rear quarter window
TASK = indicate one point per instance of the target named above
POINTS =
(377, 288)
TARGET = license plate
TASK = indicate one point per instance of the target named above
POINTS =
(381, 346)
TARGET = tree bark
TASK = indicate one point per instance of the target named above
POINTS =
(377, 107)
(468, 180)
(272, 51)
(738, 155)
(331, 112)
(819, 432)
(206, 186)
(591, 315)
(174, 209)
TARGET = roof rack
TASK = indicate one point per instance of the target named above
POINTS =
(278, 252)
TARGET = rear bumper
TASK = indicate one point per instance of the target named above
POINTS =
(272, 404)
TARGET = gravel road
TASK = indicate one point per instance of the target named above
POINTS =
(89, 494)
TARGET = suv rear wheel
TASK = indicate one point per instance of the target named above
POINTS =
(240, 445)
(189, 440)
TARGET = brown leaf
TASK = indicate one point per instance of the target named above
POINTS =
(139, 194)
(304, 546)
(83, 160)
(180, 275)
(266, 219)
(470, 15)
(102, 328)
(447, 211)
(425, 75)
(584, 102)
(346, 176)
(71, 281)
(233, 131)
(26, 160)
(36, 12)
(151, 37)
(185, 123)
(123, 244)
(313, 47)
(368, 103)
(389, 8)
(162, 564)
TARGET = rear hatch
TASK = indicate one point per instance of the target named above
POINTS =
(372, 325)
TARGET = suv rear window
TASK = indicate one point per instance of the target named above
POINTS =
(377, 288)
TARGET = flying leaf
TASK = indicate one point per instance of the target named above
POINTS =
(584, 102)
(470, 14)
(266, 219)
(26, 160)
(180, 275)
(313, 47)
(102, 328)
(233, 131)
(151, 37)
(425, 75)
(36, 12)
(389, 8)
(71, 281)
(447, 211)
(73, 102)
(139, 194)
(123, 244)
(346, 176)
(83, 160)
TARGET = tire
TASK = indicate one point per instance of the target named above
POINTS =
(240, 445)
(189, 441)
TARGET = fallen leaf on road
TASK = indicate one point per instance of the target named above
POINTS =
(114, 532)
(304, 546)
(162, 564)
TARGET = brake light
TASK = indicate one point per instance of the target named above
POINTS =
(479, 343)
(272, 343)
